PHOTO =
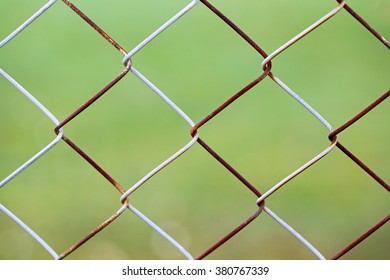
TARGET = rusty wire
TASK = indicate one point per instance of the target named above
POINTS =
(195, 131)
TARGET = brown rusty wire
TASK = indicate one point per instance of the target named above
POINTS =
(109, 85)
(95, 97)
(366, 25)
(78, 149)
(334, 133)
(265, 73)
(95, 26)
(232, 233)
(218, 110)
(332, 136)
(362, 238)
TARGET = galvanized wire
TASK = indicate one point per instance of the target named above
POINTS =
(126, 194)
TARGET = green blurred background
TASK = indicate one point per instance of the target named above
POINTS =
(198, 62)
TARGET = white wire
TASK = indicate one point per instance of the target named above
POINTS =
(29, 96)
(162, 165)
(29, 231)
(27, 23)
(47, 113)
(295, 173)
(178, 110)
(316, 158)
(314, 113)
(163, 96)
(161, 232)
(303, 33)
(303, 103)
(158, 168)
(295, 233)
(158, 31)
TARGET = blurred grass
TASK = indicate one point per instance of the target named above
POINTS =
(198, 62)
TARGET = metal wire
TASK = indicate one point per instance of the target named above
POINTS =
(47, 113)
(126, 194)
(27, 23)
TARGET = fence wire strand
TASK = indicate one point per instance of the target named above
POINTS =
(268, 70)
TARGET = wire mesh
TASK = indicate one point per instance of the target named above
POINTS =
(215, 230)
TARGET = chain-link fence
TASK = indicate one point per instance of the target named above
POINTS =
(227, 139)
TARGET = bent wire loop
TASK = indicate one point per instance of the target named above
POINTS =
(47, 113)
